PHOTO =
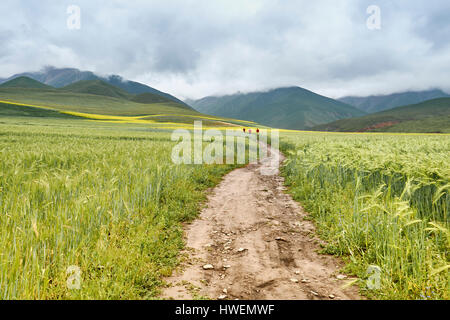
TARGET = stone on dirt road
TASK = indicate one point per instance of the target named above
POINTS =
(208, 267)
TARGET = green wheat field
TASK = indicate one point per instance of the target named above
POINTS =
(106, 197)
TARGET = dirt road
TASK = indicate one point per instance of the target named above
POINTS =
(252, 242)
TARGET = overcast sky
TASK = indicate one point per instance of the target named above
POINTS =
(197, 48)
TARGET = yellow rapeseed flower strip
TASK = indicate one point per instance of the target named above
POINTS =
(26, 105)
(100, 116)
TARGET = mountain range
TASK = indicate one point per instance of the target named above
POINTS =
(372, 104)
(431, 116)
(88, 96)
(96, 100)
(59, 78)
(287, 108)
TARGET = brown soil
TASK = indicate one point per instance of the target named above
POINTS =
(380, 125)
(259, 243)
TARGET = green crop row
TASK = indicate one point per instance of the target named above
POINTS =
(383, 202)
(100, 203)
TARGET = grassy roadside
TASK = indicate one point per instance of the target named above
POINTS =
(104, 199)
(380, 201)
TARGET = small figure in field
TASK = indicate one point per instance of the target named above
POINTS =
(257, 130)
(243, 130)
(250, 131)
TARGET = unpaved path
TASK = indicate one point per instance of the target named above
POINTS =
(259, 244)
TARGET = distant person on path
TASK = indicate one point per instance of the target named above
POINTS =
(243, 130)
(250, 131)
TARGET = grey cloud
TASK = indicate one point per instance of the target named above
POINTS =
(197, 48)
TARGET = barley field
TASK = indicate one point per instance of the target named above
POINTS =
(98, 201)
(104, 201)
(381, 201)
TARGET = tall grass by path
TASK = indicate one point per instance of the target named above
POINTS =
(108, 201)
(379, 200)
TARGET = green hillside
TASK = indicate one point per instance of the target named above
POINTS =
(373, 104)
(89, 103)
(9, 110)
(287, 108)
(97, 87)
(91, 99)
(149, 98)
(89, 96)
(156, 114)
(431, 116)
(24, 82)
(102, 88)
(61, 77)
(134, 87)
